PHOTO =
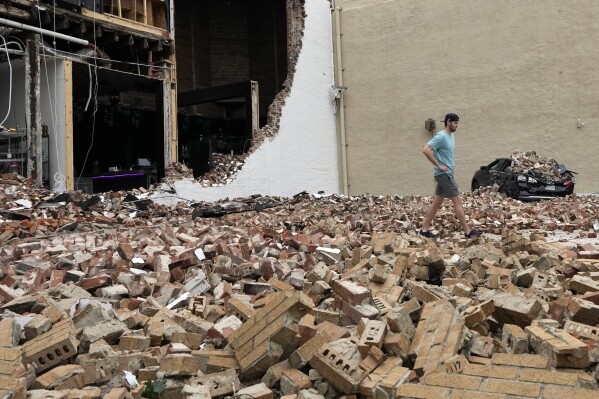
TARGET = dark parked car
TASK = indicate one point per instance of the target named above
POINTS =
(529, 185)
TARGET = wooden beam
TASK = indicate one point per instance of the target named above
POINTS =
(125, 23)
(33, 107)
(68, 124)
(13, 12)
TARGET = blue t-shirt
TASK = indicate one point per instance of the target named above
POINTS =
(443, 145)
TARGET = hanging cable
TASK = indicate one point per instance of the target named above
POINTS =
(10, 81)
(91, 144)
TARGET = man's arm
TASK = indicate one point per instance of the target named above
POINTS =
(428, 153)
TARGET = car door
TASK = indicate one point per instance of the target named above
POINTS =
(490, 172)
(500, 173)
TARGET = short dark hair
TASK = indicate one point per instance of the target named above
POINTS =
(451, 118)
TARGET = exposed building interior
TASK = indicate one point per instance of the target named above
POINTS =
(110, 102)
(222, 47)
(118, 131)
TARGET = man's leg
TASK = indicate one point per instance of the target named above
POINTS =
(432, 211)
(458, 208)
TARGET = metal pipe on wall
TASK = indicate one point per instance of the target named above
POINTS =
(341, 110)
(19, 25)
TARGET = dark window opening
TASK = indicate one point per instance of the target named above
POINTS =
(121, 147)
(222, 46)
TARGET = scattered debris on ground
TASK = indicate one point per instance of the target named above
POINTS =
(311, 297)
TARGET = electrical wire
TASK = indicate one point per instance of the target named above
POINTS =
(68, 53)
(91, 144)
(10, 81)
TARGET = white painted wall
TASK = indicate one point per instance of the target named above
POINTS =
(52, 106)
(303, 155)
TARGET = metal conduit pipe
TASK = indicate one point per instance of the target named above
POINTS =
(341, 109)
(18, 25)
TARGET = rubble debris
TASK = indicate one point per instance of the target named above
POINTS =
(546, 168)
(315, 297)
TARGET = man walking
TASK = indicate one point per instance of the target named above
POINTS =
(440, 152)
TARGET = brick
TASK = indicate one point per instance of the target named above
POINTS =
(52, 347)
(257, 391)
(372, 360)
(519, 310)
(179, 365)
(524, 360)
(548, 377)
(118, 393)
(501, 372)
(422, 392)
(583, 311)
(453, 381)
(274, 372)
(581, 330)
(476, 395)
(397, 345)
(338, 369)
(223, 383)
(514, 339)
(373, 335)
(293, 381)
(10, 333)
(526, 389)
(559, 347)
(134, 343)
(370, 383)
(61, 377)
(302, 355)
(240, 309)
(400, 321)
(557, 392)
(351, 292)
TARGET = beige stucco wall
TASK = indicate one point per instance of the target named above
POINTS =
(519, 73)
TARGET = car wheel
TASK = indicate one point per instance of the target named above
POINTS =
(475, 185)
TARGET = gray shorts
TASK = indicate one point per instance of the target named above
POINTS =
(446, 186)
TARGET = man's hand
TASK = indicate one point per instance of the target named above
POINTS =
(444, 168)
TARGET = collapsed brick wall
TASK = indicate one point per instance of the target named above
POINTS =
(230, 165)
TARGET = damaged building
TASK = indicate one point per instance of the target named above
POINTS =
(97, 99)
(88, 92)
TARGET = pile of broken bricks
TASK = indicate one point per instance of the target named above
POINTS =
(546, 168)
(223, 169)
(316, 298)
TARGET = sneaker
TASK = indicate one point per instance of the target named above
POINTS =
(474, 234)
(426, 234)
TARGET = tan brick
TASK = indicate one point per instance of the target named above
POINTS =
(548, 377)
(476, 395)
(556, 392)
(61, 377)
(527, 389)
(223, 383)
(507, 373)
(304, 353)
(514, 339)
(134, 343)
(373, 335)
(179, 365)
(52, 347)
(453, 381)
(293, 381)
(239, 308)
(422, 392)
(257, 391)
(342, 375)
(524, 360)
